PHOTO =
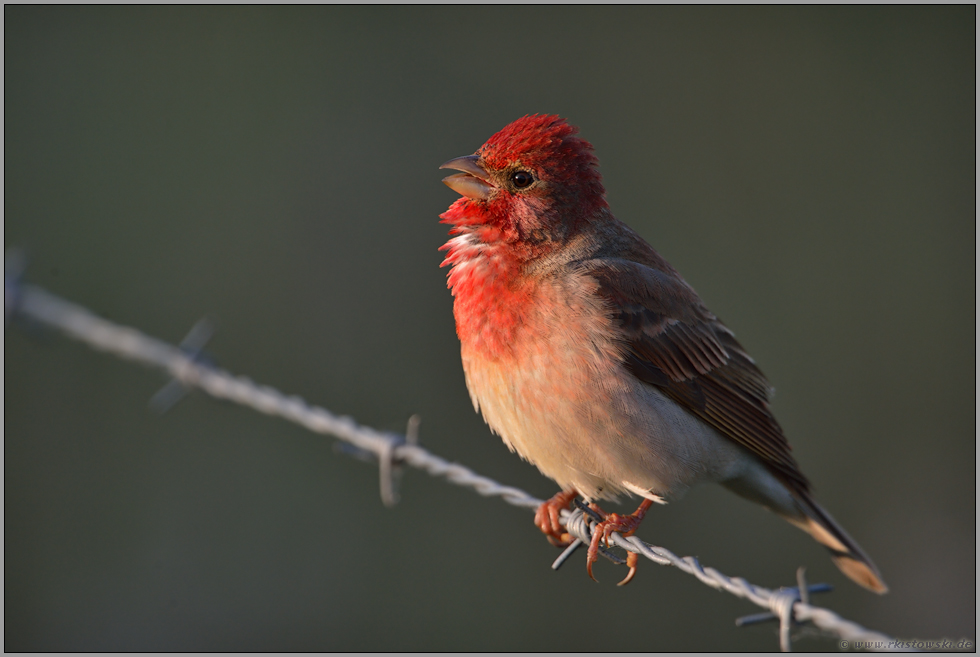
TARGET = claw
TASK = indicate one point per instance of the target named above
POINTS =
(547, 518)
(631, 560)
(613, 522)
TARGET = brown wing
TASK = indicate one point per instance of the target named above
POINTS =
(677, 345)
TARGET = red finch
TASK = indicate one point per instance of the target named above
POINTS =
(594, 360)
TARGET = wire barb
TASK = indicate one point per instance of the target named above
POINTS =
(804, 590)
(563, 557)
(386, 461)
(14, 263)
(192, 345)
(391, 450)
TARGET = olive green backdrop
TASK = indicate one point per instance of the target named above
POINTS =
(810, 171)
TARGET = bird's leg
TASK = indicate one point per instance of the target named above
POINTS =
(546, 518)
(613, 522)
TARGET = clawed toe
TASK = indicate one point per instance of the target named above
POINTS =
(631, 561)
(547, 518)
(624, 526)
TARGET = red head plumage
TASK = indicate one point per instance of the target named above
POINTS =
(548, 144)
(533, 179)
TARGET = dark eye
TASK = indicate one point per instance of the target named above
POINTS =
(521, 179)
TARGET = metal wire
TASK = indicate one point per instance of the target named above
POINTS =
(788, 605)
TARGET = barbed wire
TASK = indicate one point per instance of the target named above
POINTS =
(189, 369)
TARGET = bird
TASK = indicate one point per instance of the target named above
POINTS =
(594, 360)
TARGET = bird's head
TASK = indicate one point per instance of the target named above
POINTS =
(533, 180)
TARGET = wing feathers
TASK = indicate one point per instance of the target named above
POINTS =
(676, 344)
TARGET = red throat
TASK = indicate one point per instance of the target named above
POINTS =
(495, 235)
(490, 294)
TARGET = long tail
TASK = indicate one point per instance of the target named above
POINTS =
(844, 550)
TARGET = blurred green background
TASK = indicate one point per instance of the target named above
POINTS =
(810, 171)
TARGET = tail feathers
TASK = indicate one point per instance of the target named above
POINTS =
(846, 553)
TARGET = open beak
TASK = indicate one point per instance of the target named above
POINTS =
(474, 182)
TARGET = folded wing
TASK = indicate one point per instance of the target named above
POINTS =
(676, 344)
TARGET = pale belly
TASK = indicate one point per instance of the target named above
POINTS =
(560, 398)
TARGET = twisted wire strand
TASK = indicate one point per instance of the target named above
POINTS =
(77, 322)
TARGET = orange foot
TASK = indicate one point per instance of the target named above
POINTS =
(546, 518)
(613, 522)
